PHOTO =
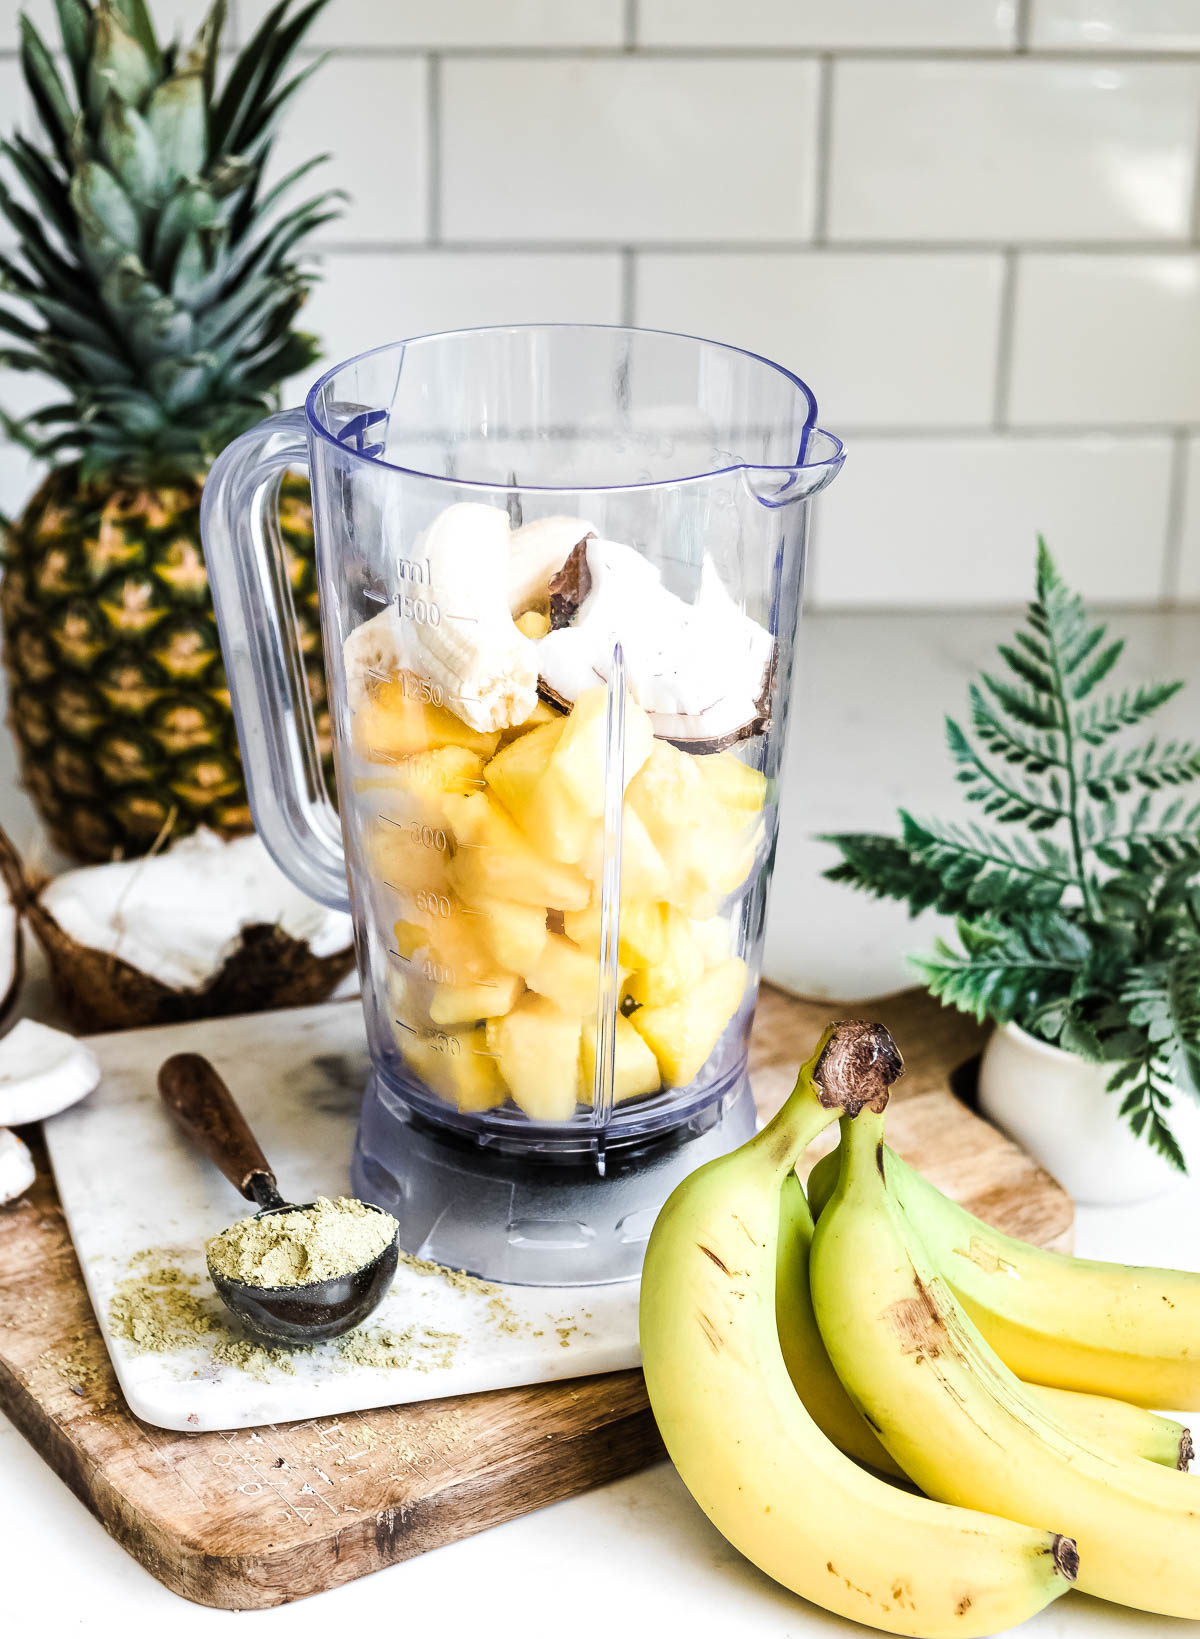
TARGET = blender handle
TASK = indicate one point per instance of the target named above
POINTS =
(239, 522)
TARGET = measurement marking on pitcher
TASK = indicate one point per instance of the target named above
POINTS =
(421, 611)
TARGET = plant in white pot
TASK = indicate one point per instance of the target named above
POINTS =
(1077, 906)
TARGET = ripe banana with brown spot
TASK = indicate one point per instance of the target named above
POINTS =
(739, 1434)
(959, 1423)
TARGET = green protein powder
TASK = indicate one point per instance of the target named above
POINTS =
(293, 1248)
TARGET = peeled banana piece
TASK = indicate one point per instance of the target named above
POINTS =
(1121, 1429)
(739, 1435)
(1098, 1328)
(957, 1420)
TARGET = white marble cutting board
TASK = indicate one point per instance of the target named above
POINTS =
(129, 1182)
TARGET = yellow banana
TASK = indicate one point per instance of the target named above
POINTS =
(1098, 1328)
(1120, 1428)
(740, 1436)
(956, 1419)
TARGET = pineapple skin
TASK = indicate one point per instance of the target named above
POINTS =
(117, 695)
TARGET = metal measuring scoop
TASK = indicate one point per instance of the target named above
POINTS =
(205, 1108)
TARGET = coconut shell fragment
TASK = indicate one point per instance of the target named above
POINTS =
(570, 586)
(266, 967)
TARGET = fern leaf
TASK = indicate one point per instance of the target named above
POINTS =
(999, 798)
(1096, 672)
(1037, 676)
(1003, 971)
(985, 870)
(1075, 657)
(1023, 705)
(1150, 766)
(1146, 1085)
(1126, 710)
(1035, 754)
(1164, 999)
(884, 868)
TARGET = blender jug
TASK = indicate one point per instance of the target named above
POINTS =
(559, 572)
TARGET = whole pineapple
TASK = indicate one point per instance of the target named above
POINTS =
(156, 283)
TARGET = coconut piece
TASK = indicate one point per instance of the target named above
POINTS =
(702, 671)
(43, 1071)
(537, 551)
(10, 951)
(210, 927)
(17, 1170)
(570, 587)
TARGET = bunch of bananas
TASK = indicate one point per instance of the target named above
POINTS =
(806, 1379)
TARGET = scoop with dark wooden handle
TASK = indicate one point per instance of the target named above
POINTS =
(207, 1112)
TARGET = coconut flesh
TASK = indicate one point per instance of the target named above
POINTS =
(703, 671)
(16, 1166)
(10, 954)
(209, 927)
(42, 1071)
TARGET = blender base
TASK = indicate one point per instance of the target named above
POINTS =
(529, 1222)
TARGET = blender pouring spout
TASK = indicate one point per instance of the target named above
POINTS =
(821, 459)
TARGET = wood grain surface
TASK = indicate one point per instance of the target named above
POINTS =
(251, 1519)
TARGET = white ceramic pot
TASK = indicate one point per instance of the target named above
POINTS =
(1055, 1104)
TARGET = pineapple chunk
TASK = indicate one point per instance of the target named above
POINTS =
(579, 755)
(644, 873)
(390, 723)
(442, 949)
(565, 974)
(714, 937)
(675, 972)
(642, 936)
(533, 624)
(493, 858)
(516, 933)
(428, 773)
(733, 782)
(635, 1069)
(681, 1034)
(412, 853)
(476, 999)
(702, 842)
(537, 1052)
(458, 1066)
(543, 712)
(536, 796)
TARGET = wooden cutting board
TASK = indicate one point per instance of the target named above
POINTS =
(251, 1519)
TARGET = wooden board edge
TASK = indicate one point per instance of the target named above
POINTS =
(622, 1444)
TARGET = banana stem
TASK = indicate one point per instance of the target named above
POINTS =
(851, 1071)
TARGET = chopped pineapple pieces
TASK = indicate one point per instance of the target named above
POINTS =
(681, 1034)
(496, 842)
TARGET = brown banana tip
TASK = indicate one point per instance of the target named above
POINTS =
(1066, 1557)
(1187, 1449)
(856, 1066)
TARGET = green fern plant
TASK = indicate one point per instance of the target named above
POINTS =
(1078, 903)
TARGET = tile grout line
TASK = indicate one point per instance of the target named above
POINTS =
(1176, 509)
(1004, 341)
(629, 25)
(764, 53)
(793, 247)
(1195, 220)
(1024, 28)
(628, 297)
(824, 150)
(433, 139)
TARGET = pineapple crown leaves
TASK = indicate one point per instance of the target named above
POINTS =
(1078, 901)
(156, 279)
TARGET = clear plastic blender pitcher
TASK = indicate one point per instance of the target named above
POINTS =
(559, 571)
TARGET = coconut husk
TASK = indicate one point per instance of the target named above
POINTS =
(267, 968)
(570, 586)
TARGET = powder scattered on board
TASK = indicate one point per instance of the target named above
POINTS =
(329, 1238)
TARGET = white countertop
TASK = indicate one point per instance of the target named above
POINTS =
(636, 1557)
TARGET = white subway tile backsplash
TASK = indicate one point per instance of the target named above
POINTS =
(1188, 586)
(953, 522)
(1014, 150)
(1106, 340)
(614, 150)
(828, 23)
(903, 340)
(364, 301)
(434, 23)
(1116, 25)
(368, 114)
